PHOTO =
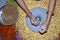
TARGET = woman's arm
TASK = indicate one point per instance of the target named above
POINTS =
(24, 7)
(51, 9)
(51, 6)
(44, 26)
(26, 10)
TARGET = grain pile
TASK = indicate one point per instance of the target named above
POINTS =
(9, 14)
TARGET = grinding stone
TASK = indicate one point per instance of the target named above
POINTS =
(40, 12)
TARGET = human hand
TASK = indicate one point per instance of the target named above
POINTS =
(43, 28)
(34, 21)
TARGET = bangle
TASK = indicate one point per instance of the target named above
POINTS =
(29, 14)
(51, 12)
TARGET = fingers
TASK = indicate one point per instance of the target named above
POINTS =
(43, 29)
(34, 22)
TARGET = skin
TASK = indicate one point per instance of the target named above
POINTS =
(26, 10)
(44, 26)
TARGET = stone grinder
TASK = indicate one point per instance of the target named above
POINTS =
(41, 15)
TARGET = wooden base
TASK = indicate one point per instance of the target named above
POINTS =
(8, 32)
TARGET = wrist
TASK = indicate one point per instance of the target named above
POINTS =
(49, 17)
(29, 14)
(51, 13)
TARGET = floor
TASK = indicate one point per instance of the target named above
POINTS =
(26, 33)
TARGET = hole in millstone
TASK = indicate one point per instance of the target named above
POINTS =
(41, 29)
(38, 18)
